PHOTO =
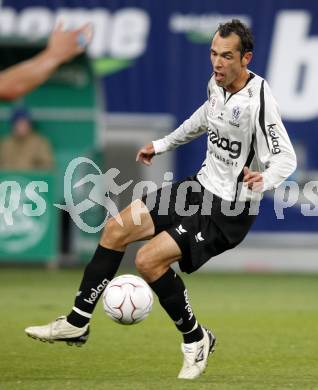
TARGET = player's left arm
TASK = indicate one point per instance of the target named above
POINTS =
(254, 180)
(272, 145)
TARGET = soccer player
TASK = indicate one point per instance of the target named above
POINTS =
(63, 45)
(246, 143)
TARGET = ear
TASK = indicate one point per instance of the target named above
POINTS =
(247, 58)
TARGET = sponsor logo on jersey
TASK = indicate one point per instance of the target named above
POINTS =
(274, 138)
(233, 147)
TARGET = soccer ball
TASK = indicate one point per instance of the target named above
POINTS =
(127, 299)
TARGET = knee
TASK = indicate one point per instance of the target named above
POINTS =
(114, 235)
(149, 265)
(144, 262)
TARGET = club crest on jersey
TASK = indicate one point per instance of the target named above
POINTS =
(236, 112)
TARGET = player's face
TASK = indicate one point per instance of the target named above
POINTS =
(229, 68)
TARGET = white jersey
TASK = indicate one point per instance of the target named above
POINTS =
(244, 129)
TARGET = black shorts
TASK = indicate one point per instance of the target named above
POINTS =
(196, 220)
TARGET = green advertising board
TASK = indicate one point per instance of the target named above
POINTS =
(28, 219)
(65, 110)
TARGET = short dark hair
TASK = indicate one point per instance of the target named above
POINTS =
(237, 27)
(19, 113)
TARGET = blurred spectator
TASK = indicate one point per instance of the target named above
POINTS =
(24, 149)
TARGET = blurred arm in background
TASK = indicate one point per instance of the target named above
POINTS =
(63, 45)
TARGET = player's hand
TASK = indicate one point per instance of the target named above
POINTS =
(253, 180)
(64, 44)
(145, 154)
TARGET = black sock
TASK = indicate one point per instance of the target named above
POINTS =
(101, 269)
(173, 297)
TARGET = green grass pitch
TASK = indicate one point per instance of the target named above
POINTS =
(266, 326)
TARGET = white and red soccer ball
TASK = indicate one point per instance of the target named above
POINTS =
(127, 299)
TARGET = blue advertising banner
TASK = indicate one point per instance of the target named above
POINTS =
(153, 56)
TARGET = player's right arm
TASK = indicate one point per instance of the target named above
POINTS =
(63, 45)
(190, 129)
(145, 154)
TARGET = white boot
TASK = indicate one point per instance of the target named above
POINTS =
(196, 355)
(59, 330)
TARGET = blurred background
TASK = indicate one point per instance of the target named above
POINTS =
(144, 73)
